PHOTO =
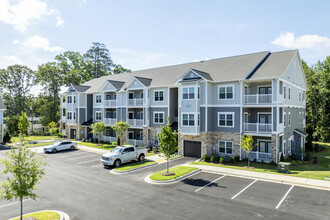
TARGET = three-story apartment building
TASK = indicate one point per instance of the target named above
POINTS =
(210, 103)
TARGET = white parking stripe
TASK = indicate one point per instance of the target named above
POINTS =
(73, 154)
(97, 165)
(286, 194)
(210, 183)
(243, 189)
(89, 161)
(3, 206)
(77, 158)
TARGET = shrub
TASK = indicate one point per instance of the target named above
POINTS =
(212, 158)
(230, 159)
(262, 161)
(255, 160)
(282, 157)
(83, 140)
(149, 149)
(293, 163)
(236, 158)
(205, 157)
(60, 135)
(221, 160)
(273, 162)
(307, 157)
(315, 160)
(6, 137)
(298, 162)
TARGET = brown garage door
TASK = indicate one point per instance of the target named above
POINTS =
(192, 149)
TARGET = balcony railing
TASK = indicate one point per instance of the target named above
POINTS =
(110, 102)
(110, 139)
(258, 99)
(138, 101)
(135, 142)
(135, 122)
(110, 121)
(71, 121)
(259, 156)
(258, 127)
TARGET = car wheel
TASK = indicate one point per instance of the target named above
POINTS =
(54, 150)
(141, 157)
(117, 163)
(72, 148)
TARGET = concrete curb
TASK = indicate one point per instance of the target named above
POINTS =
(148, 180)
(63, 215)
(133, 169)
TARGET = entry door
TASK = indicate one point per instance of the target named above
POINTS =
(130, 115)
(265, 118)
(130, 135)
(265, 90)
(264, 146)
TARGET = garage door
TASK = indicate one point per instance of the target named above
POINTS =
(192, 149)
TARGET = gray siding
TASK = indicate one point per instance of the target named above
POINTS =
(213, 119)
(274, 119)
(296, 122)
(202, 120)
(97, 110)
(213, 94)
(121, 114)
(158, 103)
(82, 115)
(159, 109)
(89, 107)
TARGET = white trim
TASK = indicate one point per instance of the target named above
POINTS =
(189, 113)
(232, 147)
(98, 103)
(291, 84)
(226, 113)
(284, 119)
(96, 117)
(228, 105)
(154, 117)
(190, 70)
(264, 140)
(191, 86)
(289, 119)
(265, 113)
(160, 90)
(225, 86)
(284, 149)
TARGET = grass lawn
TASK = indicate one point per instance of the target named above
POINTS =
(34, 138)
(134, 165)
(319, 170)
(102, 146)
(179, 171)
(150, 154)
(41, 144)
(46, 215)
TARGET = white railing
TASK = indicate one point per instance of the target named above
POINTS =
(71, 122)
(63, 118)
(109, 139)
(258, 99)
(258, 127)
(110, 121)
(135, 142)
(260, 156)
(110, 102)
(135, 122)
(138, 101)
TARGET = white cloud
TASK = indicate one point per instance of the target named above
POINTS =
(41, 43)
(23, 12)
(60, 22)
(13, 59)
(311, 42)
(84, 1)
(15, 42)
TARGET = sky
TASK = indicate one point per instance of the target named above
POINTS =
(146, 34)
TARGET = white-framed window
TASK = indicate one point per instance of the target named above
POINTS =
(289, 93)
(74, 115)
(188, 119)
(198, 119)
(284, 119)
(226, 92)
(74, 99)
(98, 98)
(198, 92)
(156, 142)
(98, 116)
(158, 117)
(284, 92)
(284, 147)
(188, 92)
(69, 99)
(225, 147)
(264, 146)
(69, 116)
(225, 119)
(289, 119)
(159, 95)
(63, 112)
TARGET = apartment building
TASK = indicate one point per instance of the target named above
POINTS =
(210, 103)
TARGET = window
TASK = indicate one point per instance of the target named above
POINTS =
(98, 98)
(156, 142)
(225, 147)
(130, 95)
(225, 119)
(69, 99)
(289, 93)
(98, 116)
(188, 93)
(284, 117)
(284, 93)
(69, 115)
(289, 119)
(264, 146)
(74, 99)
(198, 120)
(159, 96)
(188, 120)
(299, 97)
(226, 92)
(158, 117)
(63, 112)
(198, 92)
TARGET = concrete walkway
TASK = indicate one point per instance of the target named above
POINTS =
(92, 149)
(320, 184)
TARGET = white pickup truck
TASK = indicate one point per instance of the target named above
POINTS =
(123, 154)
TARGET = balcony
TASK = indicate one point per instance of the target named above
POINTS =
(258, 99)
(109, 139)
(135, 102)
(71, 122)
(110, 103)
(135, 142)
(258, 127)
(110, 121)
(135, 122)
(259, 156)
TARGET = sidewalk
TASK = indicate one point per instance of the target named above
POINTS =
(321, 184)
(92, 149)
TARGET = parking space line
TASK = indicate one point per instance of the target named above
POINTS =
(97, 165)
(71, 154)
(3, 206)
(243, 189)
(286, 194)
(81, 157)
(88, 161)
(210, 183)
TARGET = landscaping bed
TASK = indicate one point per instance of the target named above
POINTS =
(34, 138)
(44, 215)
(179, 171)
(100, 146)
(135, 165)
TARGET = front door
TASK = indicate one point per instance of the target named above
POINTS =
(264, 121)
(72, 133)
(131, 135)
(130, 115)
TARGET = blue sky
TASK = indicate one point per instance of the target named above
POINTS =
(146, 34)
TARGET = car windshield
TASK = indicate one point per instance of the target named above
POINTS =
(57, 143)
(117, 150)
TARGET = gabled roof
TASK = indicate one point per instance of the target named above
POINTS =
(145, 81)
(203, 74)
(116, 84)
(301, 132)
(78, 88)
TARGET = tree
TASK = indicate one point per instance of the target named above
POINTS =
(23, 171)
(98, 57)
(247, 146)
(119, 69)
(97, 129)
(23, 124)
(167, 142)
(53, 129)
(120, 128)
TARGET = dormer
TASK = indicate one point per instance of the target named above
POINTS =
(137, 83)
(112, 86)
(193, 75)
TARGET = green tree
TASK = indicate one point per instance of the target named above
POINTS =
(247, 146)
(119, 69)
(23, 170)
(97, 129)
(53, 128)
(120, 128)
(23, 124)
(167, 142)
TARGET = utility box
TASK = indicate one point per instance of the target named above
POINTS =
(283, 167)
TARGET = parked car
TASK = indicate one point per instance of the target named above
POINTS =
(123, 154)
(61, 145)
